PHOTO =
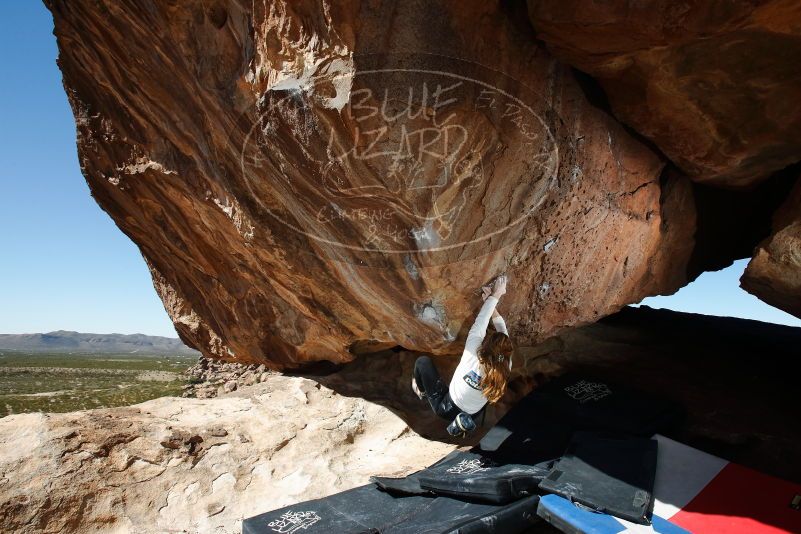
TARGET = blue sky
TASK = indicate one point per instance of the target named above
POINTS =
(719, 293)
(64, 263)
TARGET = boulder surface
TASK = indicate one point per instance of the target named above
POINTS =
(713, 84)
(313, 180)
(774, 273)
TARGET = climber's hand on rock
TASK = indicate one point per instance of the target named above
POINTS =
(499, 286)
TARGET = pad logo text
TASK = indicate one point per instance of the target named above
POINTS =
(584, 391)
(290, 522)
(467, 467)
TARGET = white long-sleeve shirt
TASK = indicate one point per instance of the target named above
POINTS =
(465, 387)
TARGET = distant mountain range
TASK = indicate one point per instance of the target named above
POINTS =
(66, 341)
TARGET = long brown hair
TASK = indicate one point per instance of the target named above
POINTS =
(494, 356)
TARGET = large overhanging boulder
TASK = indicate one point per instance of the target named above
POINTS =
(303, 188)
(774, 273)
(715, 85)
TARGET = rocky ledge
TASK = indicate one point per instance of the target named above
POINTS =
(197, 465)
(209, 378)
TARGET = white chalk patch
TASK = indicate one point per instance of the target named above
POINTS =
(411, 268)
(426, 237)
(544, 289)
(316, 68)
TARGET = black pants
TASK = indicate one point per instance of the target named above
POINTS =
(435, 390)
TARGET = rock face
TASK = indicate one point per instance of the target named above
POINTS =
(311, 180)
(774, 273)
(191, 465)
(712, 84)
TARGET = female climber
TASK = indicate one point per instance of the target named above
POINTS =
(482, 372)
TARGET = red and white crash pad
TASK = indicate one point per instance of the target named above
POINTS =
(703, 493)
(694, 492)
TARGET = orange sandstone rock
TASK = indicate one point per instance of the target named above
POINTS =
(713, 84)
(309, 180)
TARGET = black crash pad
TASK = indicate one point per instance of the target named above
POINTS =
(542, 423)
(410, 484)
(470, 475)
(612, 474)
(367, 509)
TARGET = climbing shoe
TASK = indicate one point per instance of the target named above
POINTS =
(462, 425)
